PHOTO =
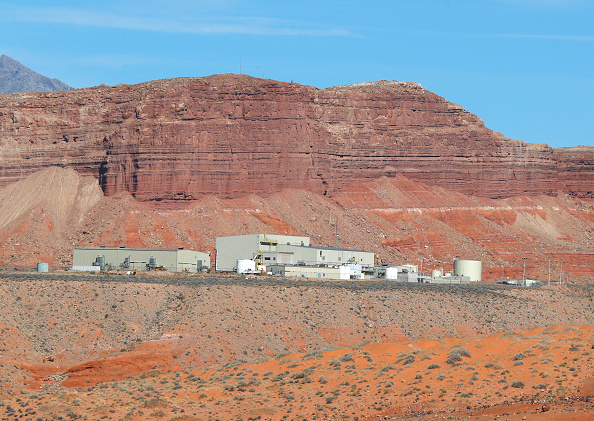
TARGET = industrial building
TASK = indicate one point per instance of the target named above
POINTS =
(290, 251)
(262, 247)
(122, 258)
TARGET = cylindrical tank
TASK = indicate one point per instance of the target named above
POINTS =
(344, 272)
(391, 273)
(471, 268)
(246, 265)
(42, 267)
(436, 273)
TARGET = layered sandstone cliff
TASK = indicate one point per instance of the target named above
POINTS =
(231, 136)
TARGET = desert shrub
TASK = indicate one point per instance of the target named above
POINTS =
(299, 375)
(456, 353)
(316, 354)
(409, 359)
(254, 382)
(280, 376)
(433, 366)
(517, 384)
(347, 357)
(492, 365)
(387, 368)
(336, 363)
(518, 356)
(517, 363)
(323, 380)
(441, 377)
(540, 386)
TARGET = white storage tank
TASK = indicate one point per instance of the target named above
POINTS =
(245, 266)
(42, 267)
(436, 273)
(391, 273)
(471, 268)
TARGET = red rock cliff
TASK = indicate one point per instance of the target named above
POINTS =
(233, 135)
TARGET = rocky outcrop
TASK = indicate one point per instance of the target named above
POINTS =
(231, 136)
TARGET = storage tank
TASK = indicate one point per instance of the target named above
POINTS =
(42, 267)
(471, 268)
(391, 273)
(436, 273)
(246, 265)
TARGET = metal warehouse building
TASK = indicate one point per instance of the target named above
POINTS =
(173, 260)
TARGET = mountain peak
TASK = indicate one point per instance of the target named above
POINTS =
(14, 77)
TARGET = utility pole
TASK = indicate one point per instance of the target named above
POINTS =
(329, 229)
(336, 231)
(524, 273)
(549, 270)
(421, 264)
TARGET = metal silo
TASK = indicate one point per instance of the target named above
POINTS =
(471, 268)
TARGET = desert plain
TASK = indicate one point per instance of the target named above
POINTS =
(204, 347)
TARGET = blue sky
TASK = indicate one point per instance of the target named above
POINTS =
(526, 67)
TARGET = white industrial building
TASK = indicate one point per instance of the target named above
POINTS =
(123, 258)
(291, 252)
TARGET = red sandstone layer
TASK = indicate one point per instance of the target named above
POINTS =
(232, 136)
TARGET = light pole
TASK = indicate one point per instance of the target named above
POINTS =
(524, 273)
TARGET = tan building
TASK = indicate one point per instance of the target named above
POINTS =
(122, 258)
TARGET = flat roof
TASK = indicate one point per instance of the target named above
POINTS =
(135, 249)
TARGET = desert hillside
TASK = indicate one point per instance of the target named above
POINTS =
(278, 347)
(46, 215)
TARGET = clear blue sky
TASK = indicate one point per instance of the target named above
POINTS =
(526, 67)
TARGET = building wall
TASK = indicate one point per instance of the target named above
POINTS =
(173, 260)
(313, 255)
(307, 272)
